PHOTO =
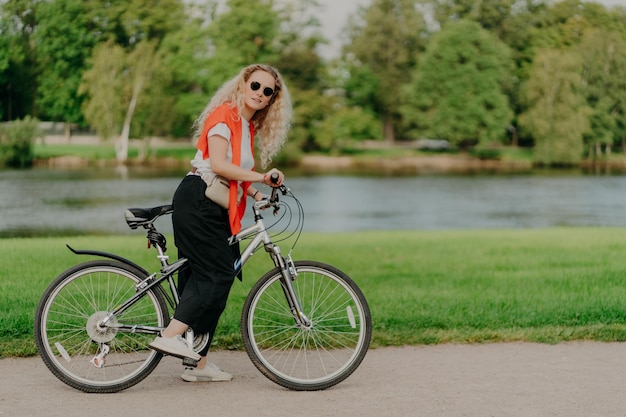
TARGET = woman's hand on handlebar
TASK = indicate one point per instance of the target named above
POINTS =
(273, 178)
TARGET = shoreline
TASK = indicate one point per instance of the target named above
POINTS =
(433, 164)
(319, 164)
(415, 165)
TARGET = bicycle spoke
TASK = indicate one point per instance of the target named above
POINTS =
(298, 356)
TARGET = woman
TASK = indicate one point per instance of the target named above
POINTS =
(256, 100)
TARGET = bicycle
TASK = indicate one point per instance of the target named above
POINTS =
(305, 325)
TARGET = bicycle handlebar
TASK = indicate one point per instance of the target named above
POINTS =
(274, 199)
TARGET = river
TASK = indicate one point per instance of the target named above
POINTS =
(55, 201)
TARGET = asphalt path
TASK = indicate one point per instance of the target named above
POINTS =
(582, 379)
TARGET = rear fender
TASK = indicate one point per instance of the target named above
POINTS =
(109, 256)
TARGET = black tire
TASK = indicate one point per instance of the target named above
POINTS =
(68, 336)
(307, 359)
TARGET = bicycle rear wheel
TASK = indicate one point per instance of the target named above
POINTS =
(314, 358)
(73, 343)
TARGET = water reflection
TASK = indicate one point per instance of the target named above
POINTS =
(70, 201)
(466, 202)
(77, 200)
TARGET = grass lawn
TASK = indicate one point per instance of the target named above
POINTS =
(424, 287)
(104, 151)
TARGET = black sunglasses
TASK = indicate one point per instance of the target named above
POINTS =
(268, 92)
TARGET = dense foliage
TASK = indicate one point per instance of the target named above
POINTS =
(543, 73)
(16, 140)
(457, 92)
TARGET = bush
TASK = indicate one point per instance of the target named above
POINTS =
(346, 125)
(16, 142)
(484, 153)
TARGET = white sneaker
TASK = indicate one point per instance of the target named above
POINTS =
(210, 373)
(175, 346)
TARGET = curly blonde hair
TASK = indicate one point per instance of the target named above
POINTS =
(271, 124)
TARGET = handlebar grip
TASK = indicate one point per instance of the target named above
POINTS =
(274, 178)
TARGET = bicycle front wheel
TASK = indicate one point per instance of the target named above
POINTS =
(74, 343)
(307, 358)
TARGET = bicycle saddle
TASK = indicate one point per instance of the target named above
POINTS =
(136, 217)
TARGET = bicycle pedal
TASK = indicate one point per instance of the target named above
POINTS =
(190, 362)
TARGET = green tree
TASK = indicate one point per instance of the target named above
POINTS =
(244, 34)
(63, 43)
(301, 65)
(153, 116)
(302, 69)
(535, 25)
(385, 42)
(492, 15)
(17, 89)
(557, 116)
(604, 83)
(136, 29)
(124, 76)
(457, 90)
(103, 83)
(186, 55)
(5, 61)
(311, 108)
(128, 22)
(140, 65)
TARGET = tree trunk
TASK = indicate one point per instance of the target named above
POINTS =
(68, 132)
(121, 148)
(388, 130)
(144, 150)
(514, 136)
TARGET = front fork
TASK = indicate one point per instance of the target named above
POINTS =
(289, 275)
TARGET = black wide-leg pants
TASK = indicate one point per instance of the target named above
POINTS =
(201, 232)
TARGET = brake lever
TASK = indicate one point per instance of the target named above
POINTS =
(274, 198)
(274, 201)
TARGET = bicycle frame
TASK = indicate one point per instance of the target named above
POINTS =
(167, 271)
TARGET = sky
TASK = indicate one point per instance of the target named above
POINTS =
(333, 17)
(334, 14)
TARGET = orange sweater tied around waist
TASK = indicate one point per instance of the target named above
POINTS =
(229, 114)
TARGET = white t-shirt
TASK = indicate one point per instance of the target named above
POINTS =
(221, 129)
